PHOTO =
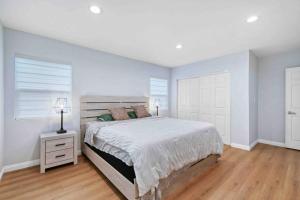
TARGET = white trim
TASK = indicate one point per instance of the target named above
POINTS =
(278, 144)
(253, 144)
(23, 165)
(17, 166)
(240, 146)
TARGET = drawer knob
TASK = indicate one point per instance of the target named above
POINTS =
(59, 156)
(62, 144)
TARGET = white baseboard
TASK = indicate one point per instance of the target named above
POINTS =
(253, 144)
(22, 165)
(278, 144)
(241, 146)
(245, 147)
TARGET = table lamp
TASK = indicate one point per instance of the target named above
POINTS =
(62, 107)
(157, 104)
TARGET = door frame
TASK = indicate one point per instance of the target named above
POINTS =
(228, 128)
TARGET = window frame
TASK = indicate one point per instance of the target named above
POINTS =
(166, 109)
(15, 93)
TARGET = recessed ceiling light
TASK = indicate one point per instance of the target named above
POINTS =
(252, 19)
(95, 9)
(178, 46)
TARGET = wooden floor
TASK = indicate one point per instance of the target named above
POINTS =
(266, 172)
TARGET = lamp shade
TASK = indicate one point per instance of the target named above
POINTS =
(62, 104)
(157, 103)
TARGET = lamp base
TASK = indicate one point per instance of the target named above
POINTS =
(61, 131)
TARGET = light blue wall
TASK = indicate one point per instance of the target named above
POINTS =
(271, 99)
(1, 99)
(94, 73)
(238, 67)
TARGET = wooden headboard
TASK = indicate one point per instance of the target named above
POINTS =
(93, 106)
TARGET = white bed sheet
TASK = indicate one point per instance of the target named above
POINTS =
(94, 139)
(155, 146)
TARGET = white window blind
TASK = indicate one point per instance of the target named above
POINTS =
(158, 92)
(38, 84)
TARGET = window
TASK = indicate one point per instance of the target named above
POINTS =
(38, 84)
(158, 93)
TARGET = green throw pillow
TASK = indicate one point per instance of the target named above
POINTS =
(105, 117)
(132, 115)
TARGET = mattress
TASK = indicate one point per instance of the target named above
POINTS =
(93, 138)
(119, 165)
(155, 147)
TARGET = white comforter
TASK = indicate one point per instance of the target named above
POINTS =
(156, 146)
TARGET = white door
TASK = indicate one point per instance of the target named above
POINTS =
(222, 106)
(207, 95)
(189, 100)
(292, 135)
(207, 99)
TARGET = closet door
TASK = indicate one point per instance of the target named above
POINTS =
(207, 96)
(222, 106)
(206, 99)
(182, 99)
(194, 99)
(188, 100)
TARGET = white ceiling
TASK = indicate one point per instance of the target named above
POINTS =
(149, 30)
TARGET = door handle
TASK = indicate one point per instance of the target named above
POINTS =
(291, 113)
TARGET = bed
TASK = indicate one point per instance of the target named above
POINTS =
(147, 158)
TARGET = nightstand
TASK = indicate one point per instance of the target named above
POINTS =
(57, 149)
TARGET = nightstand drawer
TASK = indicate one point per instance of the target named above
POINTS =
(59, 144)
(57, 156)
